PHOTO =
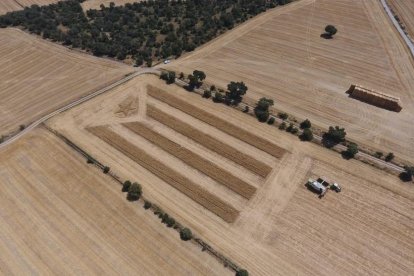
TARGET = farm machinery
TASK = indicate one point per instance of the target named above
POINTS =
(321, 186)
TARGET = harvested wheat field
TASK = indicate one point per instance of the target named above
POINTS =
(283, 228)
(15, 5)
(404, 9)
(61, 216)
(96, 4)
(37, 77)
(280, 55)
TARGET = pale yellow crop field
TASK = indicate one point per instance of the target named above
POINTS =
(281, 55)
(283, 228)
(61, 216)
(14, 5)
(37, 77)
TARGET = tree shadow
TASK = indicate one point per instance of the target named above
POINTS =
(326, 36)
(405, 177)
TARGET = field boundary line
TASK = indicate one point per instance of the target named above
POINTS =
(397, 25)
(361, 156)
(15, 136)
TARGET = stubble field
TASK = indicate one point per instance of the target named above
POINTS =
(283, 228)
(15, 5)
(61, 216)
(96, 4)
(281, 55)
(37, 77)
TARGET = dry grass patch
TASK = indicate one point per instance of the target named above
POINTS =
(194, 160)
(170, 176)
(210, 142)
(217, 122)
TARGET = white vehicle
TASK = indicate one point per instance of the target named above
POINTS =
(317, 186)
(167, 61)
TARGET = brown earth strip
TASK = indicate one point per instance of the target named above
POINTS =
(170, 176)
(216, 121)
(194, 160)
(227, 151)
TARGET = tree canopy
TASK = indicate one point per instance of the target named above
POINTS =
(236, 91)
(144, 30)
(262, 109)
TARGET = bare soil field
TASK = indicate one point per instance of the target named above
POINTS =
(96, 4)
(37, 77)
(60, 216)
(281, 55)
(284, 229)
(405, 11)
(15, 5)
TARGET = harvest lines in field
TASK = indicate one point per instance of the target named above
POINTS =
(216, 122)
(206, 199)
(208, 141)
(194, 160)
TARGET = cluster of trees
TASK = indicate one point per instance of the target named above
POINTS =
(262, 109)
(307, 134)
(168, 76)
(144, 31)
(133, 190)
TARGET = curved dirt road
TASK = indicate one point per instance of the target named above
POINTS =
(75, 103)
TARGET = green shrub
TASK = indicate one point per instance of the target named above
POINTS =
(271, 121)
(305, 124)
(218, 97)
(170, 222)
(134, 192)
(207, 94)
(185, 234)
(282, 115)
(282, 126)
(306, 135)
(351, 151)
(379, 154)
(242, 272)
(126, 186)
(106, 170)
(290, 127)
(262, 109)
(147, 204)
(390, 156)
